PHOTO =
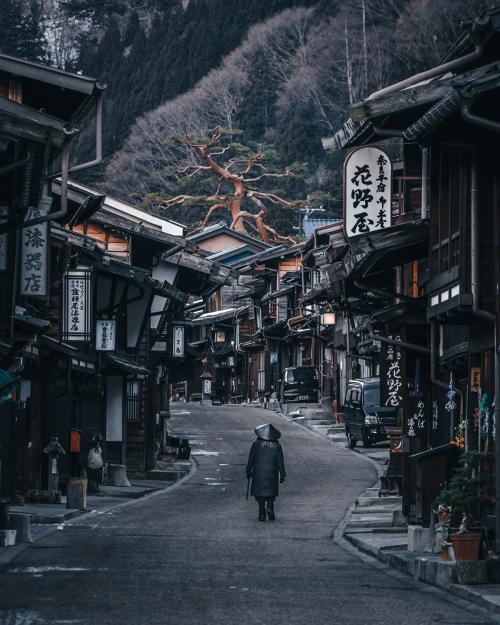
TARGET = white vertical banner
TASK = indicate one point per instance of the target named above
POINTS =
(35, 254)
(105, 335)
(77, 305)
(178, 341)
(367, 191)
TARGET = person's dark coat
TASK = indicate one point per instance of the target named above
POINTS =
(266, 467)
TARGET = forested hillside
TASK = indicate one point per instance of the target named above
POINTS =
(283, 72)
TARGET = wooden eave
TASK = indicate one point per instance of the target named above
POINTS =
(23, 122)
(420, 95)
(218, 273)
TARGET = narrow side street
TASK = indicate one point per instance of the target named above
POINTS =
(198, 555)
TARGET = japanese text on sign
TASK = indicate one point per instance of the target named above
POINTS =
(394, 379)
(77, 312)
(34, 256)
(416, 422)
(367, 184)
(178, 341)
(105, 335)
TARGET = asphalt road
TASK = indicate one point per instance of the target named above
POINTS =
(198, 555)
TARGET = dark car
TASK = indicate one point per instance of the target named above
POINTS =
(365, 419)
(299, 384)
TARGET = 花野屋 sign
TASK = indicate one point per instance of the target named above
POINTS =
(105, 335)
(367, 188)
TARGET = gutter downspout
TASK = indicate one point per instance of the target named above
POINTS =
(410, 346)
(424, 184)
(434, 379)
(474, 245)
(478, 27)
(98, 136)
(18, 225)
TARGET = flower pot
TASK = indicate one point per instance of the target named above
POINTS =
(466, 545)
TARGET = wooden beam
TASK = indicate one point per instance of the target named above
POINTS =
(412, 97)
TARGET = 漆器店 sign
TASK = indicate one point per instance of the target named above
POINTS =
(367, 188)
(35, 254)
(105, 335)
(178, 341)
(77, 305)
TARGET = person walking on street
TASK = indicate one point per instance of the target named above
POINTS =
(266, 466)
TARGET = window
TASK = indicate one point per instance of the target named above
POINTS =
(371, 396)
(450, 194)
(133, 405)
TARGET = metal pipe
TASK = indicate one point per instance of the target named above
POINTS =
(474, 247)
(497, 450)
(477, 120)
(6, 169)
(479, 24)
(385, 294)
(410, 346)
(18, 225)
(98, 138)
(434, 379)
(425, 181)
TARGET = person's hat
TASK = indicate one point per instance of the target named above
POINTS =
(267, 432)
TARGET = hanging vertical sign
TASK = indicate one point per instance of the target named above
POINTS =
(35, 253)
(4, 212)
(391, 374)
(178, 341)
(77, 305)
(416, 425)
(105, 332)
(367, 189)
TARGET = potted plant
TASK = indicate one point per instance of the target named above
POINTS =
(443, 514)
(464, 495)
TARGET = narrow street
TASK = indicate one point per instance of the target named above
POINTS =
(198, 555)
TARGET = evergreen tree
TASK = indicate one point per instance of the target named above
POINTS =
(11, 28)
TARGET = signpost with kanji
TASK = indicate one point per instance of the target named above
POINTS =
(77, 306)
(105, 335)
(367, 188)
(178, 341)
(35, 255)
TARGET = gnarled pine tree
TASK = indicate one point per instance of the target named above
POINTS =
(237, 181)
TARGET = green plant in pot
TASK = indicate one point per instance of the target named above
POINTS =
(469, 488)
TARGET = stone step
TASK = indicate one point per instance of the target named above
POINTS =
(365, 502)
(371, 521)
(373, 510)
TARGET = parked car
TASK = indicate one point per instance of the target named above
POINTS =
(299, 384)
(365, 418)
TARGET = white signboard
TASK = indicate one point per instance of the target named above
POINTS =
(207, 387)
(105, 330)
(178, 341)
(220, 336)
(367, 188)
(35, 255)
(4, 211)
(77, 306)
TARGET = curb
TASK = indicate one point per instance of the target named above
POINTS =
(462, 596)
(13, 552)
